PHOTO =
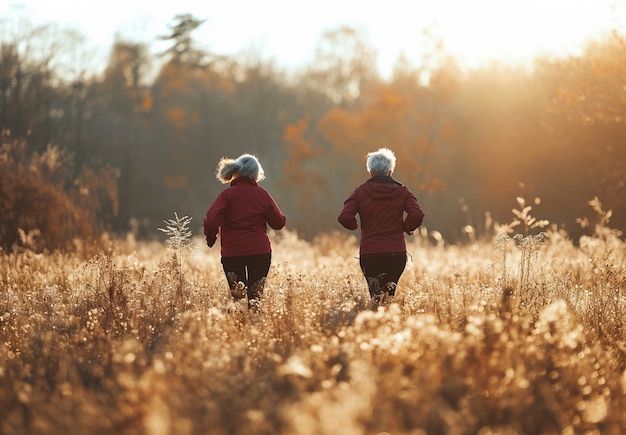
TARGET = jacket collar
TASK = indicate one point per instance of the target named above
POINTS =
(243, 180)
(382, 179)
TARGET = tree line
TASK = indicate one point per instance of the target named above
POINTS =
(150, 130)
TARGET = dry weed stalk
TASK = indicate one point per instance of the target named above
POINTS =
(520, 284)
(181, 243)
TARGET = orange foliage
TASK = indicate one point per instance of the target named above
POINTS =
(176, 77)
(590, 89)
(37, 197)
(299, 149)
(219, 81)
(147, 102)
(391, 118)
(303, 172)
(586, 115)
(176, 181)
(180, 119)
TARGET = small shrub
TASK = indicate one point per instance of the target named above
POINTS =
(39, 197)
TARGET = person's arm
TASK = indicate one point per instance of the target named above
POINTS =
(347, 217)
(414, 214)
(214, 219)
(275, 217)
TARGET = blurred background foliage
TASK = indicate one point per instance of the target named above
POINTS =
(84, 152)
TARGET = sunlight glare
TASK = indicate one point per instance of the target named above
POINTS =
(474, 32)
(518, 31)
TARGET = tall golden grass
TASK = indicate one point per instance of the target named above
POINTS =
(498, 336)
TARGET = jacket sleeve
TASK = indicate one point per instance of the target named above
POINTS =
(414, 214)
(347, 217)
(214, 219)
(275, 217)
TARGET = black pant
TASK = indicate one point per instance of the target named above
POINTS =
(251, 270)
(382, 271)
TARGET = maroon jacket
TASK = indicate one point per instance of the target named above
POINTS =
(241, 214)
(381, 203)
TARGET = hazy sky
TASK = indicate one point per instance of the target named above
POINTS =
(288, 31)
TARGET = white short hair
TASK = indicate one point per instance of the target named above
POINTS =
(381, 162)
(246, 165)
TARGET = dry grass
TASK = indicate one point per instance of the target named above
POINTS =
(134, 340)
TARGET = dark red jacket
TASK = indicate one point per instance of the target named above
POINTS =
(381, 204)
(241, 214)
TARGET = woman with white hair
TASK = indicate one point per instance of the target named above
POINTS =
(387, 210)
(240, 214)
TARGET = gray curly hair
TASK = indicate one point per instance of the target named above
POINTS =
(381, 162)
(246, 165)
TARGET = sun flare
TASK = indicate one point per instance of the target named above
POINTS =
(516, 31)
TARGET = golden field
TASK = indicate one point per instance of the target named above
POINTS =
(500, 335)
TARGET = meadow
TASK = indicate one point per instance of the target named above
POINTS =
(518, 331)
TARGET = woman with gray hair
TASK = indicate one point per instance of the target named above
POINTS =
(386, 210)
(240, 214)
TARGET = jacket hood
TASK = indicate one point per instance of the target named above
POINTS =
(383, 187)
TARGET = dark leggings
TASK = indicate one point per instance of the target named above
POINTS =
(251, 270)
(382, 271)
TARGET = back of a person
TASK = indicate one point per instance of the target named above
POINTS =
(240, 215)
(381, 210)
(245, 230)
(387, 210)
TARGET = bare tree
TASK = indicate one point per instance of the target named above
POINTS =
(344, 66)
